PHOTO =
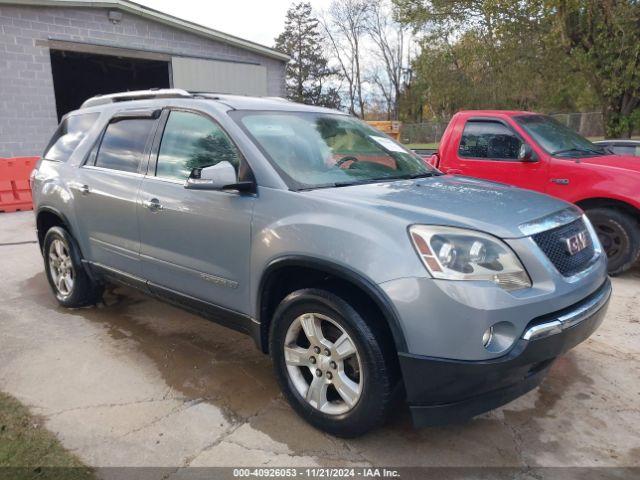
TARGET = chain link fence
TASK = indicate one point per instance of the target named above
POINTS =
(587, 124)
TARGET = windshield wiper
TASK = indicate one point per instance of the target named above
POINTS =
(425, 175)
(360, 182)
(385, 179)
(584, 150)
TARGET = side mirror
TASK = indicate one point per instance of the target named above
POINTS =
(221, 176)
(526, 154)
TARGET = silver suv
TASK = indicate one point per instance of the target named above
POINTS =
(365, 274)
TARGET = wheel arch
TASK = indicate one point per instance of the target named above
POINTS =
(47, 217)
(604, 202)
(281, 276)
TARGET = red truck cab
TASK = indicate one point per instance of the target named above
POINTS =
(535, 151)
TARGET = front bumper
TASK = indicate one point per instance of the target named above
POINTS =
(441, 391)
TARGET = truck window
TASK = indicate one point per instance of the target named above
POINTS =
(123, 145)
(68, 136)
(490, 140)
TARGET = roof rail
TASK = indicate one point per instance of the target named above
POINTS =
(279, 99)
(136, 95)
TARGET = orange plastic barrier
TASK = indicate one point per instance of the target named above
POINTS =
(391, 128)
(15, 192)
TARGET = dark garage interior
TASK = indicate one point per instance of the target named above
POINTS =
(78, 76)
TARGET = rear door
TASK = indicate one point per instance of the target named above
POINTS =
(489, 148)
(195, 243)
(106, 189)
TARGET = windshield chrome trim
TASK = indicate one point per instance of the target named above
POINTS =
(549, 222)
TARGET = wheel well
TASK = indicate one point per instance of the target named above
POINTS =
(286, 279)
(45, 220)
(609, 203)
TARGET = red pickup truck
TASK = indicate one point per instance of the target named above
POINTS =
(535, 151)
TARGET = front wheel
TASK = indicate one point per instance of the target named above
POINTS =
(329, 363)
(619, 234)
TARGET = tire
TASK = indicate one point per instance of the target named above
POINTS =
(619, 234)
(62, 259)
(367, 369)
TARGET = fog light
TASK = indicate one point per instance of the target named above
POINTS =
(499, 337)
(487, 336)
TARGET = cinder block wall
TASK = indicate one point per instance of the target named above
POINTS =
(27, 101)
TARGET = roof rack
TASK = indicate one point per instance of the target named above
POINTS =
(136, 95)
(279, 99)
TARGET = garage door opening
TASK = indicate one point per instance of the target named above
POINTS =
(78, 76)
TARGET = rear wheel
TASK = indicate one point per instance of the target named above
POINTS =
(329, 363)
(619, 234)
(67, 277)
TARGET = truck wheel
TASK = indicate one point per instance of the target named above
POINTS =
(619, 234)
(330, 364)
(67, 277)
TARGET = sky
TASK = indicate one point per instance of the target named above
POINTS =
(256, 20)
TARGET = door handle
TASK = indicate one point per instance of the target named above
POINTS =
(560, 181)
(153, 205)
(83, 189)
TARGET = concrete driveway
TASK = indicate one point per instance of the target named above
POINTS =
(139, 383)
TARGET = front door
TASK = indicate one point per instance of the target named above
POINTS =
(106, 189)
(490, 149)
(195, 242)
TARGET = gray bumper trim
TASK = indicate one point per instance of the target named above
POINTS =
(568, 319)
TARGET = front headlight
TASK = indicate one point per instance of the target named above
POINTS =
(458, 254)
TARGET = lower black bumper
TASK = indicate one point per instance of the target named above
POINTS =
(442, 391)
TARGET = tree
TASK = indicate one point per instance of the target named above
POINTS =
(307, 72)
(388, 37)
(345, 28)
(602, 38)
(490, 54)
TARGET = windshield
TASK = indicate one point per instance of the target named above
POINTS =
(314, 150)
(556, 138)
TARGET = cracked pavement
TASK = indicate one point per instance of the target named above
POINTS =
(136, 382)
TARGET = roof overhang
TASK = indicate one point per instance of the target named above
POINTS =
(157, 16)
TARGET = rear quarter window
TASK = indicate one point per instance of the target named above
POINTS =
(123, 145)
(68, 136)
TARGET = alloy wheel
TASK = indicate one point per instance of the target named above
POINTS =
(323, 363)
(61, 267)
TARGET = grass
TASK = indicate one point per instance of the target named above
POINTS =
(29, 451)
(421, 145)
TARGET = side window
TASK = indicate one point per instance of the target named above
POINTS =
(491, 140)
(68, 136)
(192, 141)
(123, 145)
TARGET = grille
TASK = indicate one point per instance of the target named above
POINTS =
(552, 243)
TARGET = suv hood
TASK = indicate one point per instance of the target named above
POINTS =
(456, 201)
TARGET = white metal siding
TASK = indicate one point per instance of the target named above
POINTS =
(220, 77)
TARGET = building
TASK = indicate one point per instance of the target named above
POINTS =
(56, 53)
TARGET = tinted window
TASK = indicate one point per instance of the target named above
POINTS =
(624, 149)
(491, 140)
(123, 144)
(68, 135)
(192, 141)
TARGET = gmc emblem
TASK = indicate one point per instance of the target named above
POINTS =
(577, 242)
